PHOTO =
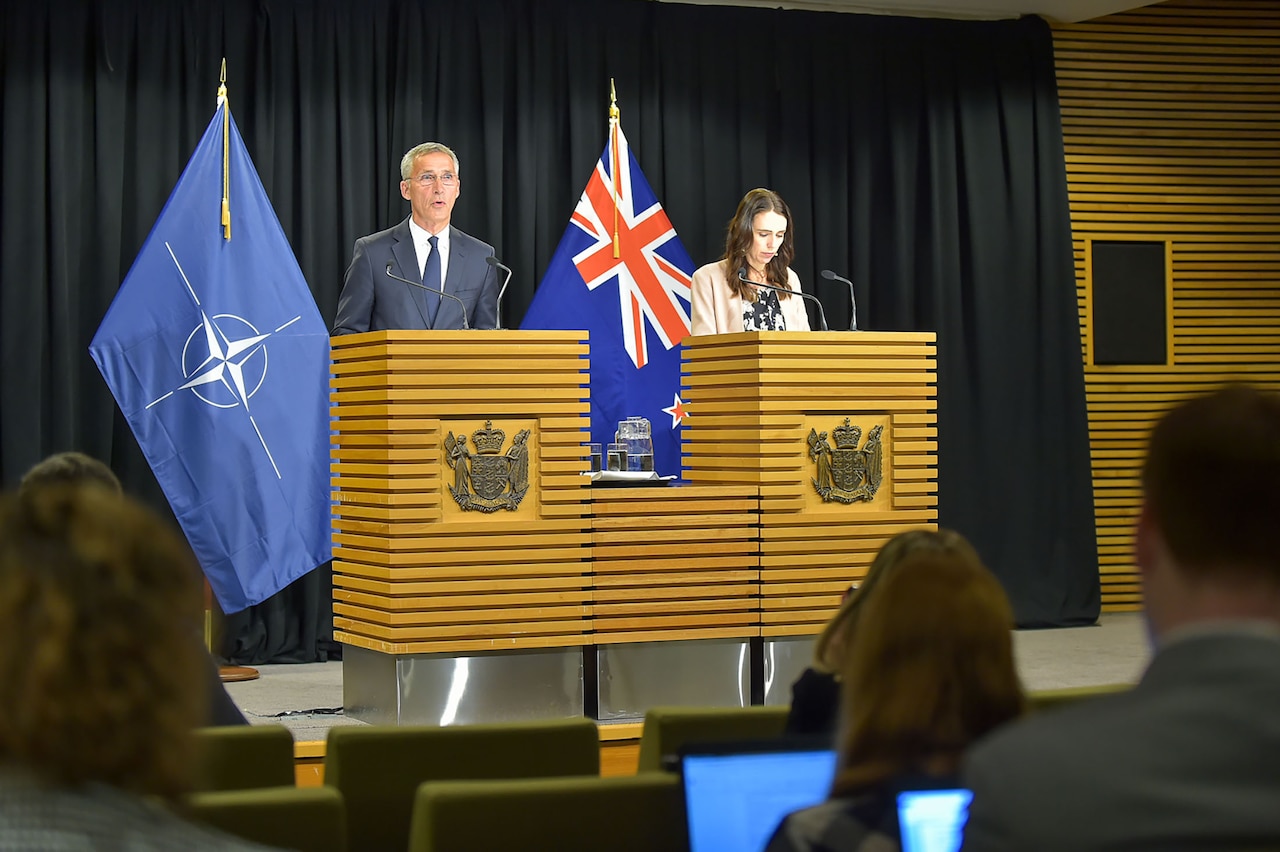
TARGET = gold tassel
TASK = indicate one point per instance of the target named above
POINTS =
(226, 153)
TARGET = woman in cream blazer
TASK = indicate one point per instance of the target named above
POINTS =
(759, 241)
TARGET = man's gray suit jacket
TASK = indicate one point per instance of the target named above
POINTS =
(1188, 759)
(371, 300)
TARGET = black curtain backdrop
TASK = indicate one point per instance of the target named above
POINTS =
(921, 158)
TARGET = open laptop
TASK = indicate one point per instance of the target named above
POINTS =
(933, 820)
(736, 794)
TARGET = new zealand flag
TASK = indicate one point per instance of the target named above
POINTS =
(622, 274)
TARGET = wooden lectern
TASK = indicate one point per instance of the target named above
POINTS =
(462, 530)
(837, 433)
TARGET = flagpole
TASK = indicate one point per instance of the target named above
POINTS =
(226, 151)
(227, 674)
(615, 116)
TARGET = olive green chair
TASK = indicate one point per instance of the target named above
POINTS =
(308, 819)
(244, 757)
(1054, 699)
(666, 729)
(639, 813)
(378, 769)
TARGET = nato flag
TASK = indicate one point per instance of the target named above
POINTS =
(219, 360)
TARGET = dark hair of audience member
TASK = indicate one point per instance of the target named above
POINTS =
(100, 661)
(929, 670)
(70, 468)
(1212, 482)
(830, 644)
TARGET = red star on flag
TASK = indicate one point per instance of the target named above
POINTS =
(676, 411)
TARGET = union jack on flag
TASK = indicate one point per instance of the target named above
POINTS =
(622, 274)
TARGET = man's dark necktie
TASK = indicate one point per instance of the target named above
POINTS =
(431, 279)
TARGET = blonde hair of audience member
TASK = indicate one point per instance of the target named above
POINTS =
(69, 468)
(100, 660)
(929, 670)
(828, 650)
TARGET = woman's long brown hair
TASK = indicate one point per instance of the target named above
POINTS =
(928, 671)
(741, 233)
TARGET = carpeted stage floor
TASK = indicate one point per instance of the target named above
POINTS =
(308, 698)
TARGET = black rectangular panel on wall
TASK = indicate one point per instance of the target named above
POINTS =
(1130, 309)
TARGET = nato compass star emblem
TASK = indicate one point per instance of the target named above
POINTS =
(224, 360)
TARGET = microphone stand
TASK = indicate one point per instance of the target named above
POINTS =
(461, 303)
(853, 301)
(493, 261)
(822, 317)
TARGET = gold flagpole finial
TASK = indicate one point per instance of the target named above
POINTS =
(225, 103)
(615, 116)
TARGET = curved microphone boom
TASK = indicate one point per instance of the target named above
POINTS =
(822, 317)
(461, 303)
(493, 261)
(853, 302)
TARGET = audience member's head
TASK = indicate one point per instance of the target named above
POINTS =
(1207, 545)
(70, 468)
(928, 670)
(100, 661)
(828, 650)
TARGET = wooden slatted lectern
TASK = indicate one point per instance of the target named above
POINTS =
(837, 435)
(462, 535)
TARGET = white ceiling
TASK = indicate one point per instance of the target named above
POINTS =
(1066, 11)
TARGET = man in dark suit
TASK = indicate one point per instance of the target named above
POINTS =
(425, 249)
(1190, 757)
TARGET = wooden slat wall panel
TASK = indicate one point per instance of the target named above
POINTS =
(752, 399)
(1172, 134)
(412, 572)
(675, 563)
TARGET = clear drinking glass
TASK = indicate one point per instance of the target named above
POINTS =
(617, 457)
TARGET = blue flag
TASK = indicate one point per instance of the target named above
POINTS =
(219, 360)
(622, 274)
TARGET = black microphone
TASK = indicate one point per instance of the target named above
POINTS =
(822, 317)
(461, 303)
(493, 261)
(853, 302)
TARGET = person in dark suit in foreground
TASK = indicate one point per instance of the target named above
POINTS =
(928, 670)
(1190, 758)
(72, 469)
(425, 249)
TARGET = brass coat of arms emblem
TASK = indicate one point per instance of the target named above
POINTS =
(488, 479)
(847, 474)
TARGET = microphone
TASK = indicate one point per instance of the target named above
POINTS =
(822, 317)
(461, 303)
(831, 276)
(493, 261)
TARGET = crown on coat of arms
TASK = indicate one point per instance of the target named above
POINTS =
(846, 436)
(488, 440)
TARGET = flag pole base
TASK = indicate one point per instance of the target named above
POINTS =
(236, 674)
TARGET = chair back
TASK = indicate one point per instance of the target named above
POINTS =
(623, 814)
(308, 819)
(666, 729)
(378, 769)
(244, 757)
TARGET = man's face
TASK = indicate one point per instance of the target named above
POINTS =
(433, 201)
